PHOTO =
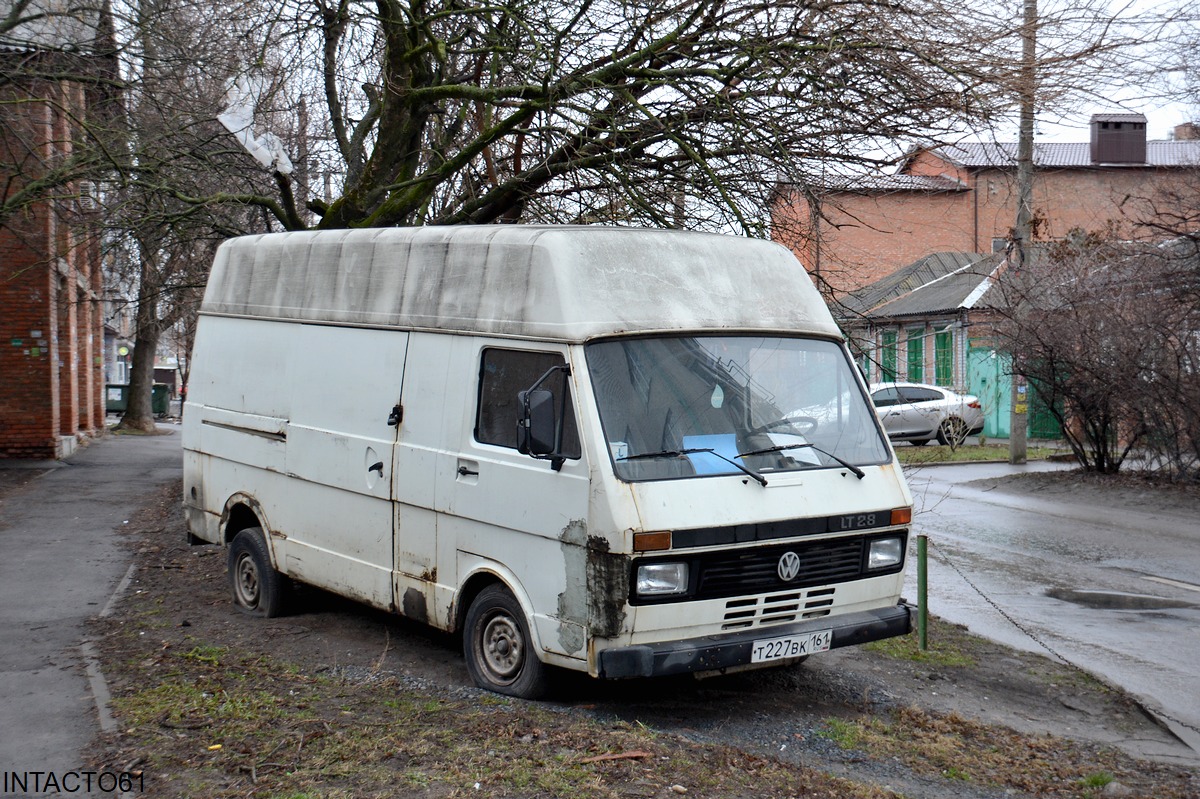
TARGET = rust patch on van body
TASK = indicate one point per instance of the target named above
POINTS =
(596, 587)
(573, 601)
(415, 607)
(608, 588)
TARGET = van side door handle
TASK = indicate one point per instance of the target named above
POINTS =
(377, 467)
(463, 471)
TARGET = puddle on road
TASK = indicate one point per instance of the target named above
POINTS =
(1116, 600)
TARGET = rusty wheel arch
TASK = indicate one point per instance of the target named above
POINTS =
(242, 511)
(466, 595)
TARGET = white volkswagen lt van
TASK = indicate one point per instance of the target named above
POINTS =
(620, 451)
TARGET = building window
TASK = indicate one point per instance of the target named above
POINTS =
(887, 356)
(502, 374)
(943, 358)
(916, 354)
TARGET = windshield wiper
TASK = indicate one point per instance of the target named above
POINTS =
(859, 473)
(679, 453)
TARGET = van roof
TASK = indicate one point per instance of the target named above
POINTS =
(564, 283)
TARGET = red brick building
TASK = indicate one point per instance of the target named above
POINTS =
(962, 198)
(51, 329)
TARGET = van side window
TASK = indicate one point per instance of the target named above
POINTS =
(502, 374)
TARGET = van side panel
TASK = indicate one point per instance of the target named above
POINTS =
(295, 417)
(235, 415)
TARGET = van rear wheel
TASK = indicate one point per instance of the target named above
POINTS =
(498, 649)
(257, 588)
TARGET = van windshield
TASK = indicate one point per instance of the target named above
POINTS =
(693, 406)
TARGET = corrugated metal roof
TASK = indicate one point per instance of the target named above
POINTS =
(931, 268)
(1118, 118)
(892, 183)
(947, 294)
(1064, 154)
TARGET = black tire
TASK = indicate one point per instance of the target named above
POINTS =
(952, 432)
(257, 588)
(498, 648)
(920, 442)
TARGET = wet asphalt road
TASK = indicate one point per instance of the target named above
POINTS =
(1113, 589)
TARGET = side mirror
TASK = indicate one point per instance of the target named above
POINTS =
(539, 427)
(537, 424)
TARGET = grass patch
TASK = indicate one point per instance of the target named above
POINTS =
(206, 654)
(846, 734)
(957, 748)
(949, 646)
(915, 456)
(1097, 780)
(212, 721)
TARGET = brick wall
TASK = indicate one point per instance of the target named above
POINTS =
(863, 237)
(51, 391)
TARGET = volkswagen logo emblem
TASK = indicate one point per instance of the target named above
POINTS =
(789, 566)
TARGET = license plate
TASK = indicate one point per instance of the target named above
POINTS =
(790, 646)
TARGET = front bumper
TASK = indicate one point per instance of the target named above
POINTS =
(716, 652)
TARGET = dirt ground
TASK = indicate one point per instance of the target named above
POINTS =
(336, 699)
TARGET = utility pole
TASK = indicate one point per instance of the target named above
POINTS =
(1022, 229)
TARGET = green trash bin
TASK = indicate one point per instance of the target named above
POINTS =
(116, 399)
(159, 399)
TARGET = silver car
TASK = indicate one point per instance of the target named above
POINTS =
(918, 413)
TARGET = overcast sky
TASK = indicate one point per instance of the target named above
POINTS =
(1161, 119)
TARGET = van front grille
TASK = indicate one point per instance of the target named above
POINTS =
(756, 570)
(777, 609)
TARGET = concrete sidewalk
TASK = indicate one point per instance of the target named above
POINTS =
(60, 560)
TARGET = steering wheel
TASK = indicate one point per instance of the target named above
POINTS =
(803, 425)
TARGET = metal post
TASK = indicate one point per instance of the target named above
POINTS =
(1023, 229)
(922, 592)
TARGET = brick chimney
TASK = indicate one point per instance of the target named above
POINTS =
(1118, 139)
(1188, 131)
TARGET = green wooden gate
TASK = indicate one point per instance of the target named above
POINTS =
(988, 379)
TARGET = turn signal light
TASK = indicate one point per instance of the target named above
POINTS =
(651, 542)
(901, 515)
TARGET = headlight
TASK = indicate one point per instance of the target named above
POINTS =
(885, 552)
(662, 579)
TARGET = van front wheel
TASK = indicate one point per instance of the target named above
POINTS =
(257, 588)
(498, 648)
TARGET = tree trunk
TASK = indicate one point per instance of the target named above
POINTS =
(139, 413)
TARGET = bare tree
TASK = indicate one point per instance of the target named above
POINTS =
(177, 55)
(685, 113)
(1108, 333)
(439, 112)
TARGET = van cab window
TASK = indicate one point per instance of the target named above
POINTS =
(689, 406)
(502, 375)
